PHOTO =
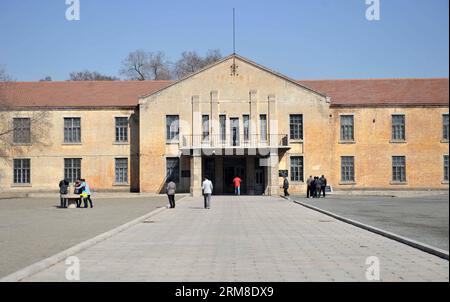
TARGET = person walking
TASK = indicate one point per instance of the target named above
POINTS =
(323, 183)
(63, 190)
(171, 189)
(86, 192)
(286, 186)
(237, 185)
(207, 188)
(308, 187)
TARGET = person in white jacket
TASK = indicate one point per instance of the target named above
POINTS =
(207, 189)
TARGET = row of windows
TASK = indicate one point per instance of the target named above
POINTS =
(173, 127)
(72, 130)
(347, 132)
(72, 170)
(347, 127)
(348, 169)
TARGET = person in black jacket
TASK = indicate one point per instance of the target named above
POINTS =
(323, 183)
(318, 187)
(286, 186)
(63, 190)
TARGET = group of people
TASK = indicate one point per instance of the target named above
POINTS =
(81, 188)
(316, 186)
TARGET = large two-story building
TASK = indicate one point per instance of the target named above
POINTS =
(234, 117)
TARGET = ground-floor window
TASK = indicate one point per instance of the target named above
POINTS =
(121, 171)
(347, 169)
(399, 169)
(173, 168)
(445, 167)
(297, 168)
(72, 169)
(22, 171)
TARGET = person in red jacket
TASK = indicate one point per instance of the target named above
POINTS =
(237, 185)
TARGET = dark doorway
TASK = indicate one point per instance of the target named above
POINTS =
(233, 167)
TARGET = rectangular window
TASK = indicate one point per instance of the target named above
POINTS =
(72, 169)
(398, 127)
(263, 127)
(72, 130)
(296, 126)
(173, 168)
(246, 120)
(445, 167)
(205, 128)
(22, 132)
(347, 169)
(121, 171)
(223, 127)
(445, 127)
(297, 168)
(172, 127)
(399, 169)
(121, 129)
(347, 128)
(22, 171)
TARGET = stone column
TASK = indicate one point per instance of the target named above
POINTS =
(250, 175)
(196, 174)
(273, 121)
(273, 176)
(214, 118)
(254, 118)
(196, 122)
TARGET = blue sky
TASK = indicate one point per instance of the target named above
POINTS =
(304, 39)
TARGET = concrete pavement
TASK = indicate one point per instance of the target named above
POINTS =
(247, 239)
(421, 218)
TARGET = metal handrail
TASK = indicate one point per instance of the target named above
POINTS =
(235, 141)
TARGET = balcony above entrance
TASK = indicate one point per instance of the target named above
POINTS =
(270, 141)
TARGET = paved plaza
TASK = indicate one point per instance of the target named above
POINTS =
(32, 229)
(247, 239)
(424, 218)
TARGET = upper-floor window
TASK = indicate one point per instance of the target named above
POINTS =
(172, 127)
(72, 130)
(296, 126)
(246, 121)
(223, 127)
(205, 127)
(121, 129)
(22, 171)
(22, 131)
(398, 127)
(445, 133)
(263, 127)
(347, 128)
(399, 169)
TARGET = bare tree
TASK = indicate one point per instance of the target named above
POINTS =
(46, 79)
(15, 141)
(191, 62)
(140, 65)
(4, 77)
(87, 75)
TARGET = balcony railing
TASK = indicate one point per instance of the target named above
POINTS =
(235, 141)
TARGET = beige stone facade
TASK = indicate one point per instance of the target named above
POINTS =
(232, 122)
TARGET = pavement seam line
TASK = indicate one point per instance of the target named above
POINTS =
(52, 260)
(410, 242)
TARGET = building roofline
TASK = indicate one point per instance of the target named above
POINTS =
(242, 59)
